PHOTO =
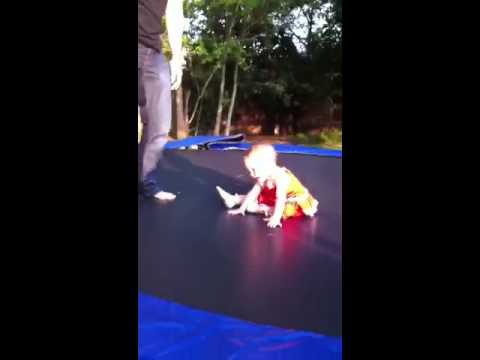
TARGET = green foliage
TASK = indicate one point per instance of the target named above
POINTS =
(289, 52)
(330, 138)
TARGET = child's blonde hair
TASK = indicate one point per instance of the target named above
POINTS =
(264, 152)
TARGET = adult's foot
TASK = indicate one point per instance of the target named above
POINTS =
(164, 196)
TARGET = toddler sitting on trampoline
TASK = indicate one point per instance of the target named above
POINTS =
(277, 193)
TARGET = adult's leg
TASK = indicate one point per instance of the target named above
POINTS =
(156, 114)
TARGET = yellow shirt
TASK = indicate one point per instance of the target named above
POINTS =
(298, 196)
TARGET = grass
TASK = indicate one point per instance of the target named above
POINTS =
(329, 138)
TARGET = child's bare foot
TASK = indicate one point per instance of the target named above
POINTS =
(164, 196)
(229, 199)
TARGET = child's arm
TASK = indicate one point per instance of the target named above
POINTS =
(250, 198)
(281, 199)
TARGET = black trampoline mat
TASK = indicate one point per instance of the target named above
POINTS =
(192, 252)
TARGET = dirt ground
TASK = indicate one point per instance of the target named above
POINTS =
(270, 139)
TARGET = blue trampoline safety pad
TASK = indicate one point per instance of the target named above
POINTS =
(196, 142)
(237, 142)
(172, 331)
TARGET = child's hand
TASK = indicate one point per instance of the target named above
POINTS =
(273, 222)
(238, 211)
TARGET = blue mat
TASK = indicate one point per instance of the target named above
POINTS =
(236, 142)
(170, 331)
(203, 142)
(281, 148)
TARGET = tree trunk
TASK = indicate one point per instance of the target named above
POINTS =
(232, 101)
(197, 126)
(202, 93)
(228, 34)
(331, 108)
(180, 127)
(218, 120)
(186, 104)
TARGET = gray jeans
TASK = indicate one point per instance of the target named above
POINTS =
(154, 100)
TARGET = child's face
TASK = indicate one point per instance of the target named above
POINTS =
(258, 169)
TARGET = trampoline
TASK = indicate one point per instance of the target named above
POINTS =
(213, 285)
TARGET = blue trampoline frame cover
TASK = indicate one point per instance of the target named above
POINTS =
(237, 142)
(168, 330)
